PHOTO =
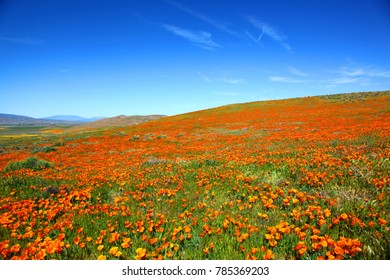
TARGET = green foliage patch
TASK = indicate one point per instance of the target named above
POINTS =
(32, 163)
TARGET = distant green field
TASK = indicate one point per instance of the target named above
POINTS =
(15, 131)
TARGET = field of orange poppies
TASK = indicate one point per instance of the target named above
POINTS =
(304, 178)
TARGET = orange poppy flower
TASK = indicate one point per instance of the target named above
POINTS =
(141, 254)
(269, 255)
(343, 216)
(99, 240)
(153, 240)
(316, 246)
(268, 236)
(187, 229)
(114, 236)
(323, 242)
(338, 250)
(301, 248)
(76, 240)
(114, 250)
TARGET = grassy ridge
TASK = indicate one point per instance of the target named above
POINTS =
(304, 178)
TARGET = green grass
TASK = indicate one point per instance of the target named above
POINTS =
(29, 130)
(32, 163)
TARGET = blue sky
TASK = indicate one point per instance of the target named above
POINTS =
(112, 57)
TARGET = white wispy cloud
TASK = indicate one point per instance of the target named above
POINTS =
(343, 80)
(363, 75)
(270, 31)
(233, 81)
(200, 38)
(280, 79)
(217, 24)
(296, 71)
(24, 41)
(361, 72)
(204, 77)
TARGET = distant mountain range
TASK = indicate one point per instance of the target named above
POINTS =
(77, 121)
(71, 118)
(9, 119)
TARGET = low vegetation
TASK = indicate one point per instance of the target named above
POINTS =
(304, 178)
(32, 163)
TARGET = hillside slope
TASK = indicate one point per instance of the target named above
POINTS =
(304, 178)
(118, 121)
(326, 117)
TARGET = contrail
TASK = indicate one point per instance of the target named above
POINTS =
(261, 35)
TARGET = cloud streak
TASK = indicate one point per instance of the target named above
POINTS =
(344, 80)
(361, 72)
(271, 32)
(296, 71)
(23, 41)
(265, 28)
(217, 24)
(199, 38)
(204, 78)
(280, 79)
(362, 75)
(233, 81)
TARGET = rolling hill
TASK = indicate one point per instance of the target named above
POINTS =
(118, 121)
(302, 178)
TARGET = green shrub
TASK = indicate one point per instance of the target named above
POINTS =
(59, 144)
(29, 163)
(44, 149)
(120, 133)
